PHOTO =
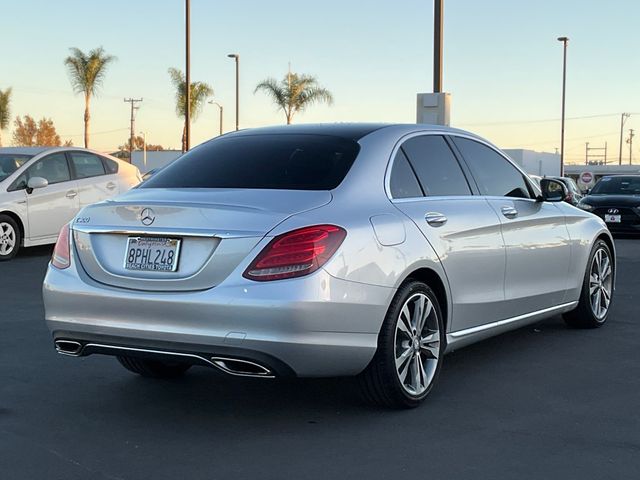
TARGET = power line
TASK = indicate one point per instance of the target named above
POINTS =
(93, 133)
(568, 139)
(544, 120)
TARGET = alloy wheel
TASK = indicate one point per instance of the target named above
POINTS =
(600, 283)
(7, 238)
(417, 344)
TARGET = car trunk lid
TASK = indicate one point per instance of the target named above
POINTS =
(212, 231)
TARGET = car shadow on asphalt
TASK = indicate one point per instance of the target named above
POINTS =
(204, 395)
(39, 251)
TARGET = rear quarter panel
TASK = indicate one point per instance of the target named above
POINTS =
(375, 251)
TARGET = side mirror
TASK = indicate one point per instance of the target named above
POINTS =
(36, 182)
(553, 190)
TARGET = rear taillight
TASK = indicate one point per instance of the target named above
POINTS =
(61, 257)
(296, 253)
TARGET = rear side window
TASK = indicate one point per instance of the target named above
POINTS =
(86, 164)
(110, 166)
(404, 183)
(287, 162)
(495, 175)
(438, 170)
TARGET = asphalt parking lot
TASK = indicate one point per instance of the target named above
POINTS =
(542, 402)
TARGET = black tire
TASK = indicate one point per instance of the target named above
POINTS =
(583, 315)
(9, 228)
(153, 368)
(380, 382)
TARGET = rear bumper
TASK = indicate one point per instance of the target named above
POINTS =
(312, 326)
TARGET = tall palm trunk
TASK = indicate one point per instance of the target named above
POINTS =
(184, 137)
(288, 112)
(87, 117)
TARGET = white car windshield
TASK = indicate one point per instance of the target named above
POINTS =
(9, 163)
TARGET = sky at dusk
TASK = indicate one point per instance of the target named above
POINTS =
(502, 64)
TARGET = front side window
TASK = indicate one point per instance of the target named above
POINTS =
(53, 168)
(86, 165)
(435, 165)
(495, 175)
(262, 161)
(9, 163)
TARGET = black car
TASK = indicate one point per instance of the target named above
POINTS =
(616, 199)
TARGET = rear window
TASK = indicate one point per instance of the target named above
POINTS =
(280, 162)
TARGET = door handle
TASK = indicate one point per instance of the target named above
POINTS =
(72, 194)
(435, 219)
(111, 186)
(509, 212)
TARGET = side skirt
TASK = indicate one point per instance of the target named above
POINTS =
(465, 337)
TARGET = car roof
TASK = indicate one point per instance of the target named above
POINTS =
(351, 131)
(24, 150)
(33, 151)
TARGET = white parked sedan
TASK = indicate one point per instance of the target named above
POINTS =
(43, 188)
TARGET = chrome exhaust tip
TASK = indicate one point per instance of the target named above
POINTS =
(68, 347)
(243, 368)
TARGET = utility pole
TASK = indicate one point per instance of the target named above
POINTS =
(586, 153)
(630, 142)
(597, 158)
(133, 102)
(187, 109)
(623, 119)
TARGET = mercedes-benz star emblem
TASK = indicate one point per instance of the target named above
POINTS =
(147, 216)
(613, 211)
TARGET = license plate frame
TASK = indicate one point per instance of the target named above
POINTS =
(609, 218)
(157, 249)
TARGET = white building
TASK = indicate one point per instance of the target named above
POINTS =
(155, 159)
(536, 163)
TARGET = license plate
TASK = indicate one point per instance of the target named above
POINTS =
(152, 254)
(612, 218)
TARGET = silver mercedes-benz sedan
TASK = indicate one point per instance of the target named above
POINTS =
(325, 250)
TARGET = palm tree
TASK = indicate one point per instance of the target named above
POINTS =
(295, 93)
(200, 91)
(5, 98)
(87, 72)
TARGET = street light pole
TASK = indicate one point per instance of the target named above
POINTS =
(437, 45)
(237, 58)
(221, 110)
(144, 148)
(564, 40)
(187, 109)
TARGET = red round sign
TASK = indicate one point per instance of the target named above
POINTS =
(586, 177)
